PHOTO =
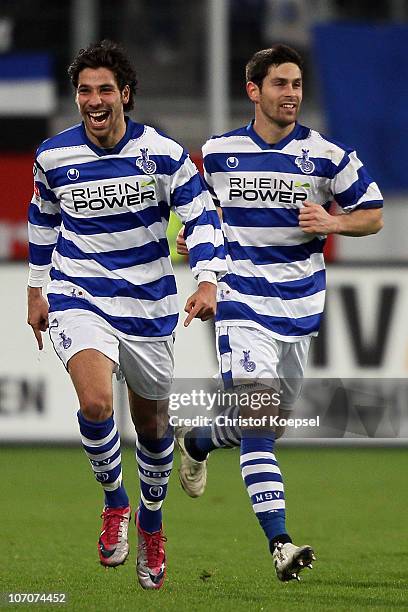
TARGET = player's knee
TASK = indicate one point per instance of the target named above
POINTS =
(153, 427)
(96, 407)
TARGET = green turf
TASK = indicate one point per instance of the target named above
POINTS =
(350, 504)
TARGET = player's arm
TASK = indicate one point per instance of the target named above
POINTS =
(181, 244)
(314, 219)
(44, 219)
(204, 242)
(358, 197)
(180, 240)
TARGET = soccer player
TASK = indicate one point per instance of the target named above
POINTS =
(273, 181)
(103, 191)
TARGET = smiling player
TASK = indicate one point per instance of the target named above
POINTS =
(103, 191)
(273, 181)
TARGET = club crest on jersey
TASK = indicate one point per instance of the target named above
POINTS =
(65, 341)
(304, 163)
(232, 162)
(145, 163)
(246, 363)
(73, 174)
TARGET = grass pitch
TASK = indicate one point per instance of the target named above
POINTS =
(349, 504)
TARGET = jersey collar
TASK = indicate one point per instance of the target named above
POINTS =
(299, 132)
(133, 130)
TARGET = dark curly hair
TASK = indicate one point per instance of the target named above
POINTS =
(258, 66)
(106, 54)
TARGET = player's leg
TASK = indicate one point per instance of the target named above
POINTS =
(195, 443)
(254, 372)
(289, 559)
(149, 381)
(73, 334)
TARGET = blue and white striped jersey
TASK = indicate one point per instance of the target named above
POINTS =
(100, 218)
(276, 272)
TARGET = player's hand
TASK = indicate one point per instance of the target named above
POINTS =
(181, 245)
(202, 304)
(37, 315)
(314, 219)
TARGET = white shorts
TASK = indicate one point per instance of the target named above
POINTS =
(247, 355)
(148, 367)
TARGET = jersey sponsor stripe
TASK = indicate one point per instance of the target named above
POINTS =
(112, 222)
(278, 272)
(285, 326)
(260, 286)
(296, 307)
(160, 327)
(106, 287)
(260, 217)
(107, 242)
(137, 275)
(122, 306)
(265, 236)
(113, 260)
(270, 254)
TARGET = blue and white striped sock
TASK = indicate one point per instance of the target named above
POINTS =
(155, 461)
(263, 480)
(202, 440)
(101, 443)
(225, 431)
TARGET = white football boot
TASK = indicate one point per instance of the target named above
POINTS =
(192, 473)
(290, 560)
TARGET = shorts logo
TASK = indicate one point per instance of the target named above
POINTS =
(145, 163)
(304, 163)
(246, 363)
(65, 341)
(73, 174)
(232, 162)
(156, 491)
(102, 476)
